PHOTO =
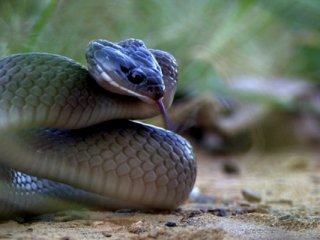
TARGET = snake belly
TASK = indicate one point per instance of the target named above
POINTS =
(60, 148)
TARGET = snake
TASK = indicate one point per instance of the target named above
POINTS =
(70, 136)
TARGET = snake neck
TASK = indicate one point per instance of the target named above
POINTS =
(44, 90)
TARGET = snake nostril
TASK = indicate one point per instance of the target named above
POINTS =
(156, 91)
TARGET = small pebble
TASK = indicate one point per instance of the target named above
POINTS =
(138, 227)
(125, 210)
(298, 163)
(286, 217)
(194, 213)
(281, 201)
(106, 234)
(6, 236)
(97, 223)
(251, 195)
(231, 167)
(315, 179)
(197, 197)
(220, 212)
(194, 193)
(171, 224)
(286, 201)
(263, 209)
(65, 238)
(204, 199)
(244, 204)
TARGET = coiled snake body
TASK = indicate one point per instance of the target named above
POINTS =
(61, 147)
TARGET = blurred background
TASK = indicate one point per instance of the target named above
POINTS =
(249, 70)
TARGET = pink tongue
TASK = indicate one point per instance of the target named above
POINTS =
(167, 123)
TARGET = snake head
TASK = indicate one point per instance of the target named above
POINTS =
(126, 68)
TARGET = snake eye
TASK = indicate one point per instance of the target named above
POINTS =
(136, 77)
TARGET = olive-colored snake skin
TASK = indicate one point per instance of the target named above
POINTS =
(64, 140)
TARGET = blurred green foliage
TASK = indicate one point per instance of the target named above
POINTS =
(211, 39)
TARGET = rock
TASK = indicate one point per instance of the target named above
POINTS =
(231, 167)
(250, 195)
(171, 224)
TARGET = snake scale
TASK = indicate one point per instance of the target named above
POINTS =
(67, 140)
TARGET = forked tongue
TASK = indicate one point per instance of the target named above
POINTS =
(164, 113)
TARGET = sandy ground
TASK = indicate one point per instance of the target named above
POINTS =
(251, 196)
